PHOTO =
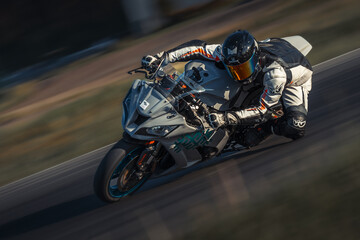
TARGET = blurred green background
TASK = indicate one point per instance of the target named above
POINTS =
(37, 133)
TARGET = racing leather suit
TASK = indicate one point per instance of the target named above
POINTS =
(286, 78)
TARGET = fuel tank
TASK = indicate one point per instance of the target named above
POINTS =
(220, 88)
(221, 91)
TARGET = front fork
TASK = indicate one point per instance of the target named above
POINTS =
(148, 158)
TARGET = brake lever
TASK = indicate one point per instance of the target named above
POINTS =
(136, 70)
(139, 70)
(142, 70)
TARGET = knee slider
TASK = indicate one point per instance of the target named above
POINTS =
(296, 120)
(295, 125)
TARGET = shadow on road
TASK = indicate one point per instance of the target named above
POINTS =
(88, 203)
(153, 183)
(49, 216)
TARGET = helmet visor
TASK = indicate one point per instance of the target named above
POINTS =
(244, 70)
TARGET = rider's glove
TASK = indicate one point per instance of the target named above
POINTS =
(151, 63)
(217, 120)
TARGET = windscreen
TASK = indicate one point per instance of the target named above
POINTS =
(174, 86)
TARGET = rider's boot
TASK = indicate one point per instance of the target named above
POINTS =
(254, 136)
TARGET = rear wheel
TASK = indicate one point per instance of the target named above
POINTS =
(118, 175)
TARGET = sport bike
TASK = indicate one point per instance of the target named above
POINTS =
(165, 124)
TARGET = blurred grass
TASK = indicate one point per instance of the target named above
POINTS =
(92, 120)
(321, 204)
(63, 133)
(16, 95)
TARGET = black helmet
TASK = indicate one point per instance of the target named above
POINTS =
(241, 56)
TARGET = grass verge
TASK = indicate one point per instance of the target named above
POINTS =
(63, 133)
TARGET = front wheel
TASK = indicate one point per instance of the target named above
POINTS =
(117, 175)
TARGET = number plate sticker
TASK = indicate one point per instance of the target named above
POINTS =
(144, 104)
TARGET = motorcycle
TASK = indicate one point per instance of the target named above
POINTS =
(165, 124)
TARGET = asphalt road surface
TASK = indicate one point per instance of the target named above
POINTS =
(59, 203)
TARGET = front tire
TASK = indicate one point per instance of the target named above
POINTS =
(116, 175)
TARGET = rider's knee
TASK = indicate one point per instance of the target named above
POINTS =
(293, 125)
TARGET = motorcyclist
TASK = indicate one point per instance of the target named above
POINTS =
(280, 68)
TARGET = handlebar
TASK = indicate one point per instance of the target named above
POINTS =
(148, 75)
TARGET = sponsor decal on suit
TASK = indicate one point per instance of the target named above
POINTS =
(276, 89)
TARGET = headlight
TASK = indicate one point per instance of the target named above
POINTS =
(160, 130)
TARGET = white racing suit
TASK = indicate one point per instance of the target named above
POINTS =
(286, 77)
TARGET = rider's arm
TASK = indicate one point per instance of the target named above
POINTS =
(195, 49)
(274, 83)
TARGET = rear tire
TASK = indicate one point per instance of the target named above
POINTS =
(115, 177)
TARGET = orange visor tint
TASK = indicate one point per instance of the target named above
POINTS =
(244, 70)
